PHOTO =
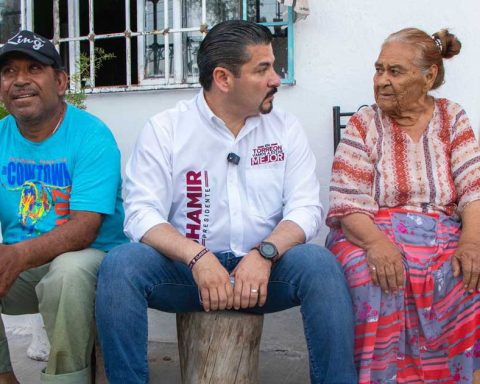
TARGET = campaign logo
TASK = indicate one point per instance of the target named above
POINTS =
(267, 153)
(198, 206)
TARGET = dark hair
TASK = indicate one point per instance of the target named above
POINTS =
(432, 49)
(225, 46)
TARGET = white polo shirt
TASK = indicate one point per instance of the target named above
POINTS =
(179, 173)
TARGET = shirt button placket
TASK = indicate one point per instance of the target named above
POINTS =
(234, 202)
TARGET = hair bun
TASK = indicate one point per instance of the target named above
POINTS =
(450, 45)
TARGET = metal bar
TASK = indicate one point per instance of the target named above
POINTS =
(141, 88)
(128, 43)
(155, 47)
(336, 127)
(29, 15)
(204, 12)
(72, 45)
(275, 23)
(166, 41)
(23, 14)
(140, 40)
(91, 38)
(177, 43)
(56, 24)
(290, 50)
(133, 34)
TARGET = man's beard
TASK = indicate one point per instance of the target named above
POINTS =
(264, 110)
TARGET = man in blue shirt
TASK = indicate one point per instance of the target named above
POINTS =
(60, 206)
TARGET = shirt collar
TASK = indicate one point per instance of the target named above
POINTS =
(206, 111)
(208, 114)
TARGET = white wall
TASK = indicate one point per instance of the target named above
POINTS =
(335, 48)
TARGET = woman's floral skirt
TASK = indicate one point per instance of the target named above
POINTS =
(430, 331)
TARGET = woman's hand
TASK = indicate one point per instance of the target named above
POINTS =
(385, 264)
(466, 259)
(383, 257)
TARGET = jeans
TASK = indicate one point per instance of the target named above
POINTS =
(63, 291)
(135, 276)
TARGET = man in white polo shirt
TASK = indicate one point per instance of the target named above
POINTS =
(220, 190)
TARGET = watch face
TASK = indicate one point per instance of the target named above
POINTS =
(268, 250)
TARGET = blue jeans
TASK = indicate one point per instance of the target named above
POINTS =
(135, 276)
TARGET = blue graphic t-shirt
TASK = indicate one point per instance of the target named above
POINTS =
(77, 168)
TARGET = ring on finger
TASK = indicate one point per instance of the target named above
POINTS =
(373, 268)
(254, 290)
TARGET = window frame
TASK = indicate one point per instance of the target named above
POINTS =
(173, 33)
(290, 80)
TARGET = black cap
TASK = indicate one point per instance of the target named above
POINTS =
(37, 47)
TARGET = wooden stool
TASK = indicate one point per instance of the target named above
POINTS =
(219, 347)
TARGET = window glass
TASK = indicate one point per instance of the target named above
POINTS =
(9, 18)
(155, 51)
(271, 11)
(217, 11)
(192, 43)
(280, 50)
(266, 11)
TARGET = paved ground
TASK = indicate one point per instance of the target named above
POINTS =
(27, 370)
(276, 367)
(283, 357)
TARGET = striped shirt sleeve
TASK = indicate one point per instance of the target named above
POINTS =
(465, 161)
(353, 172)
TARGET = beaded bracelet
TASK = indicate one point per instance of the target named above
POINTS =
(197, 257)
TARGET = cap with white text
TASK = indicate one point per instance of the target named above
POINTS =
(37, 47)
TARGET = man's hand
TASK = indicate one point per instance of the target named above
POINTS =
(385, 265)
(11, 265)
(213, 282)
(251, 280)
(466, 259)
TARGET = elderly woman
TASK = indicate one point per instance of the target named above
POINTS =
(405, 221)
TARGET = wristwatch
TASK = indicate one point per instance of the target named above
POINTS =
(268, 250)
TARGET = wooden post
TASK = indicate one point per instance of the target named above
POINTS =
(219, 347)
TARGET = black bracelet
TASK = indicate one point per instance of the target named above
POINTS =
(197, 257)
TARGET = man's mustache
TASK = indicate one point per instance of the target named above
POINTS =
(272, 92)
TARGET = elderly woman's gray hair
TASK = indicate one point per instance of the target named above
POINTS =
(432, 49)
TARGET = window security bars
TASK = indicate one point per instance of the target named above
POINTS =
(159, 51)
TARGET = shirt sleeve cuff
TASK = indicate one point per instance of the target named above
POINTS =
(135, 228)
(307, 218)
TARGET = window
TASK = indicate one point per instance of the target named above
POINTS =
(280, 21)
(155, 43)
(9, 18)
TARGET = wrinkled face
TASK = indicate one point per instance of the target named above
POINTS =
(253, 90)
(30, 90)
(398, 82)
